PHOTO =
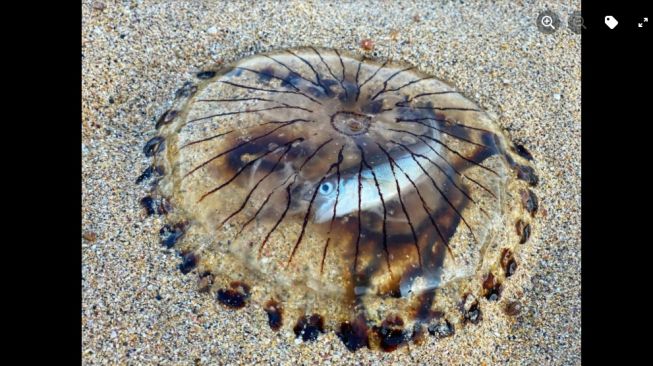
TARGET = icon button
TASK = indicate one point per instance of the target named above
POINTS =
(611, 21)
(575, 22)
(548, 22)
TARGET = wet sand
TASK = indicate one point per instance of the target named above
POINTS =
(139, 309)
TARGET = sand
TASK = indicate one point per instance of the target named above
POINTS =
(138, 308)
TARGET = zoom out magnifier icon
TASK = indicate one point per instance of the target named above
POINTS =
(576, 23)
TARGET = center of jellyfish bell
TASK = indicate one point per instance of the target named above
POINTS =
(350, 123)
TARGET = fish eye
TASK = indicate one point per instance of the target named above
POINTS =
(326, 188)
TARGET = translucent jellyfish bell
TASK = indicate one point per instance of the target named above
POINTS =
(353, 195)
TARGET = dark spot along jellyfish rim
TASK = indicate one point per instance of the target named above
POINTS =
(370, 181)
(150, 173)
(155, 206)
(508, 262)
(523, 152)
(492, 287)
(274, 311)
(154, 146)
(391, 333)
(189, 261)
(166, 118)
(354, 335)
(205, 75)
(529, 200)
(441, 328)
(471, 314)
(523, 230)
(170, 234)
(309, 327)
(236, 296)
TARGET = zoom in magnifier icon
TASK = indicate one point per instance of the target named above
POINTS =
(548, 22)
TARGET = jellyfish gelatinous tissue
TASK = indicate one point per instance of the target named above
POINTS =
(340, 194)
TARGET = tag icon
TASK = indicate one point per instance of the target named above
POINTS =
(610, 21)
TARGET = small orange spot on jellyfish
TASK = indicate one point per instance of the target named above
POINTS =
(367, 44)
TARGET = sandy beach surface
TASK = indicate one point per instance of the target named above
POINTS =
(138, 308)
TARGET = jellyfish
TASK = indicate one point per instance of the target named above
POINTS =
(340, 193)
